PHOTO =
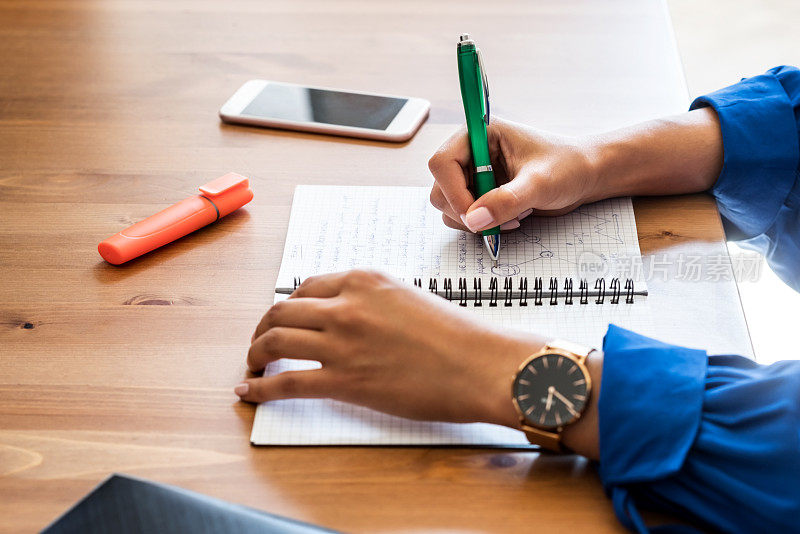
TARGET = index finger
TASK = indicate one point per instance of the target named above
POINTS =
(298, 313)
(320, 286)
(447, 166)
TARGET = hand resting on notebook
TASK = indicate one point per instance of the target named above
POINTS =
(393, 348)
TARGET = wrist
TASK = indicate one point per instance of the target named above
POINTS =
(668, 156)
(612, 161)
(583, 435)
(498, 406)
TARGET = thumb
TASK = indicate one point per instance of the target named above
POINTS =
(498, 206)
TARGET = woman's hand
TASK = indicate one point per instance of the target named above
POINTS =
(552, 175)
(535, 171)
(388, 347)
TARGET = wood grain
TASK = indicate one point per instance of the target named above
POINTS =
(108, 114)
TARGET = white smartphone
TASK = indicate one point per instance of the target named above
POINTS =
(323, 110)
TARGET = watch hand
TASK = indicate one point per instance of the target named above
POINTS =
(564, 400)
(549, 398)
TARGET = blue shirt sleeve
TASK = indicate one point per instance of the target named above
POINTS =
(758, 192)
(714, 440)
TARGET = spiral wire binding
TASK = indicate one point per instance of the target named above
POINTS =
(614, 291)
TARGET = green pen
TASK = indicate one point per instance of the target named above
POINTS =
(475, 95)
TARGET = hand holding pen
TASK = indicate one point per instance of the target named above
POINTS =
(535, 172)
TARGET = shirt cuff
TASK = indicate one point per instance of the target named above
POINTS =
(651, 400)
(761, 154)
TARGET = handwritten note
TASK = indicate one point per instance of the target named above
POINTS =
(395, 229)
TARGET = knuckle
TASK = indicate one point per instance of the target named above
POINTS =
(347, 314)
(258, 392)
(327, 311)
(438, 199)
(377, 278)
(288, 385)
(434, 197)
(508, 197)
(262, 324)
(363, 277)
(274, 312)
(435, 161)
(271, 340)
(360, 375)
(450, 222)
(252, 358)
(355, 278)
(308, 281)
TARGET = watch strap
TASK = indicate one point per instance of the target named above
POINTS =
(547, 440)
(575, 348)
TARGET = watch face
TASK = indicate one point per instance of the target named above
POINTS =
(551, 391)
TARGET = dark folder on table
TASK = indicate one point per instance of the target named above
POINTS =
(129, 505)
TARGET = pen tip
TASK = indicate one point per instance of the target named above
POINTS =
(493, 246)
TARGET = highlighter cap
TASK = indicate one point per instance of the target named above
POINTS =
(216, 199)
(228, 193)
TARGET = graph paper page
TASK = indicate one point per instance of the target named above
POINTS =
(396, 230)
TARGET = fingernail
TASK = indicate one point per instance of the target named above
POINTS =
(524, 214)
(477, 219)
(242, 389)
(510, 225)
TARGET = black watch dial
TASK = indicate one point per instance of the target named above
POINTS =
(551, 391)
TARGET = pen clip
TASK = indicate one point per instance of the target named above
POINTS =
(485, 86)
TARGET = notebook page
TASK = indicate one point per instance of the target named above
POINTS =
(328, 422)
(396, 230)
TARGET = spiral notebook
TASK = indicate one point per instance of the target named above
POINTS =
(567, 276)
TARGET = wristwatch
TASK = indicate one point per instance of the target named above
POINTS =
(550, 391)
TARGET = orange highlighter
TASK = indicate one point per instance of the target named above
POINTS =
(217, 198)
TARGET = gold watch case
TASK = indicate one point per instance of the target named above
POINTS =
(549, 437)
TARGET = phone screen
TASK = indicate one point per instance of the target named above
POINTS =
(304, 104)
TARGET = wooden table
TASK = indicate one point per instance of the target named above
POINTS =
(108, 114)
